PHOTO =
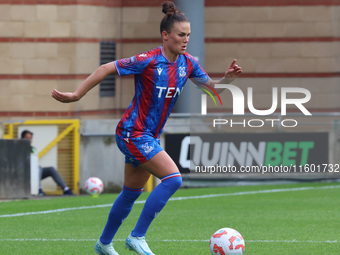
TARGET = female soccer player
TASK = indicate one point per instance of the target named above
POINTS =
(160, 75)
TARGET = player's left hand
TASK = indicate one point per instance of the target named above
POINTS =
(233, 71)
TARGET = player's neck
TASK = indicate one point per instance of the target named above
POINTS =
(172, 57)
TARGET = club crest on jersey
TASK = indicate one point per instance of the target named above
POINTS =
(147, 149)
(182, 72)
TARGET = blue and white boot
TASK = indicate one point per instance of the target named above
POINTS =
(138, 245)
(104, 249)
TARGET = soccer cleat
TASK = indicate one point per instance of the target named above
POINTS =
(68, 193)
(41, 193)
(104, 249)
(138, 245)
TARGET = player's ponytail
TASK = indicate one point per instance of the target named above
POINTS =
(172, 15)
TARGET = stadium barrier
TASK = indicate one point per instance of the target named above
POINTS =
(14, 169)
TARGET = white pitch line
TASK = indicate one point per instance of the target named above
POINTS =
(54, 211)
(175, 199)
(165, 240)
(291, 241)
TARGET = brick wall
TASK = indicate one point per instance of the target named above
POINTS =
(278, 45)
(55, 44)
(46, 46)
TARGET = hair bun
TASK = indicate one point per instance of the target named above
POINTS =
(169, 8)
(172, 15)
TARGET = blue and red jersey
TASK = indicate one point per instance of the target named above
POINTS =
(158, 83)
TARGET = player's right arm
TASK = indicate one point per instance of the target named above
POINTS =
(95, 78)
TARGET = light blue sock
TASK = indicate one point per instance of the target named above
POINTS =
(156, 201)
(119, 211)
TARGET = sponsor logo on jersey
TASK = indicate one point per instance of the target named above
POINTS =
(168, 92)
(131, 160)
(159, 70)
(128, 61)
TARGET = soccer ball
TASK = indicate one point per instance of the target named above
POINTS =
(226, 241)
(94, 186)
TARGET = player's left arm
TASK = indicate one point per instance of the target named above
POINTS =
(232, 72)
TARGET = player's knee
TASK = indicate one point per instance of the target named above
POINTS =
(131, 194)
(174, 182)
(178, 181)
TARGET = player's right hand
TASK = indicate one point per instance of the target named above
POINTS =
(64, 97)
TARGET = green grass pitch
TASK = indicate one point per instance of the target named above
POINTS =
(292, 219)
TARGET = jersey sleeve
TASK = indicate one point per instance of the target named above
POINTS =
(198, 75)
(133, 65)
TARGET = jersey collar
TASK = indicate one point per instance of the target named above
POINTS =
(166, 57)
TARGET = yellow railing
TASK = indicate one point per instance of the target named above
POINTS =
(68, 150)
(149, 185)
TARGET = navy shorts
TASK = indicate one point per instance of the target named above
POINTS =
(138, 150)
